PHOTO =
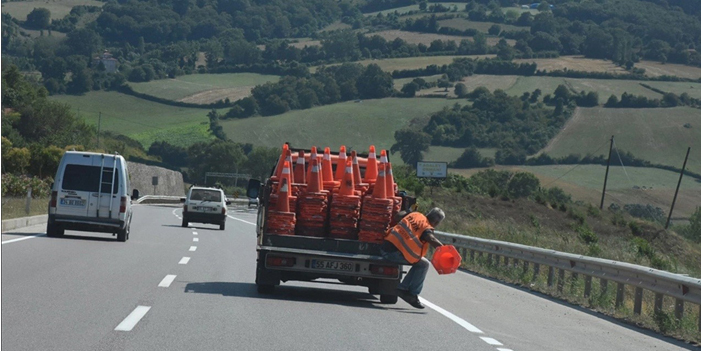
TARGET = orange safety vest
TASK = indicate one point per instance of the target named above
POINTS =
(406, 236)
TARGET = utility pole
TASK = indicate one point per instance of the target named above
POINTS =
(667, 223)
(604, 188)
(98, 132)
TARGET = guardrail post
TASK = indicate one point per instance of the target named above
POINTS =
(550, 276)
(658, 304)
(537, 269)
(573, 280)
(638, 298)
(588, 285)
(525, 267)
(679, 304)
(506, 261)
(561, 280)
(472, 255)
(29, 200)
(603, 286)
(620, 295)
(489, 259)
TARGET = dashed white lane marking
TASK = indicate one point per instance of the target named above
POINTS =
(193, 248)
(240, 220)
(133, 318)
(491, 341)
(20, 239)
(501, 349)
(166, 282)
(194, 233)
(460, 321)
(196, 239)
(184, 260)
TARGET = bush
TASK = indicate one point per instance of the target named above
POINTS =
(635, 228)
(586, 234)
(13, 185)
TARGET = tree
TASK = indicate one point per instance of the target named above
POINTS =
(260, 161)
(522, 185)
(495, 29)
(544, 6)
(613, 101)
(39, 18)
(84, 41)
(410, 89)
(423, 5)
(460, 90)
(411, 144)
(45, 160)
(471, 158)
(16, 160)
(374, 83)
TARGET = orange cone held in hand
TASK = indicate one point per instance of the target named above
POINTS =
(446, 259)
(299, 173)
(314, 185)
(389, 181)
(356, 167)
(313, 156)
(371, 167)
(379, 190)
(347, 184)
(283, 203)
(341, 164)
(327, 173)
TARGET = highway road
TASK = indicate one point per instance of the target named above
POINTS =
(174, 288)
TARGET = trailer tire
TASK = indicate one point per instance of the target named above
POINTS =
(388, 299)
(265, 288)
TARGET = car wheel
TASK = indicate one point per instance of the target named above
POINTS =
(122, 234)
(388, 299)
(185, 223)
(221, 226)
(51, 230)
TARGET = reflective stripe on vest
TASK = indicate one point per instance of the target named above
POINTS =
(406, 236)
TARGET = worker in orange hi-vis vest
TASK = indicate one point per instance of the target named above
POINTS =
(407, 243)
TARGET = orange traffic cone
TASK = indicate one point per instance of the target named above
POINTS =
(379, 190)
(279, 165)
(285, 174)
(389, 181)
(283, 202)
(327, 173)
(288, 158)
(383, 156)
(313, 156)
(347, 185)
(371, 167)
(299, 172)
(356, 167)
(314, 185)
(446, 259)
(341, 164)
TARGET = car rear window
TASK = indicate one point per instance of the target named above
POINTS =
(205, 195)
(87, 178)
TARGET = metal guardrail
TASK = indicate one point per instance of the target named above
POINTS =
(662, 283)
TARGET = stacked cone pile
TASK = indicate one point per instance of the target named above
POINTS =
(282, 220)
(312, 205)
(376, 212)
(345, 207)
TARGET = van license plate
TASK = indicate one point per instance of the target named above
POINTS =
(73, 202)
(332, 265)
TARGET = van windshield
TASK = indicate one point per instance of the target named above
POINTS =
(206, 195)
(87, 178)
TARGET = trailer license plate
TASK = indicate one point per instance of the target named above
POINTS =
(72, 202)
(332, 265)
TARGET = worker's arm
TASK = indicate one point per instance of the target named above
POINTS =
(428, 236)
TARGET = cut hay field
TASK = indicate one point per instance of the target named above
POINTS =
(204, 88)
(581, 63)
(462, 23)
(140, 119)
(427, 38)
(354, 124)
(405, 9)
(59, 8)
(655, 134)
(392, 64)
(693, 89)
(604, 87)
(624, 186)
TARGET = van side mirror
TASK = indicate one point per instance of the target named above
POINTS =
(135, 194)
(182, 199)
(253, 188)
(228, 202)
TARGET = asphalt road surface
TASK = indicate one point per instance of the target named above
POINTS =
(174, 288)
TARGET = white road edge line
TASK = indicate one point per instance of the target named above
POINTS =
(166, 282)
(460, 321)
(133, 318)
(20, 239)
(184, 260)
(196, 239)
(193, 248)
(240, 220)
(491, 341)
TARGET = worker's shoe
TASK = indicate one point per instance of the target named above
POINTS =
(413, 300)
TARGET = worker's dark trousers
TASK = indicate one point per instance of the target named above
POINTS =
(414, 280)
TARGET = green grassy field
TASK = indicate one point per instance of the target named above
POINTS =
(655, 134)
(604, 87)
(58, 8)
(406, 9)
(356, 125)
(392, 64)
(189, 85)
(140, 119)
(463, 24)
(450, 154)
(693, 89)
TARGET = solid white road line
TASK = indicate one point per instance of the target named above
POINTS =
(133, 318)
(491, 341)
(240, 220)
(20, 239)
(460, 321)
(184, 260)
(193, 248)
(196, 239)
(166, 282)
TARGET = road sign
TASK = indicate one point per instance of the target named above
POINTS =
(431, 169)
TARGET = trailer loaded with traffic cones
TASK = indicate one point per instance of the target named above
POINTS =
(323, 215)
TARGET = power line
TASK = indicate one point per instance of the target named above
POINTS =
(576, 166)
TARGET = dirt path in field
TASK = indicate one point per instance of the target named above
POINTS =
(210, 96)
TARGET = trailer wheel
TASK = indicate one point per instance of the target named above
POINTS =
(388, 299)
(268, 289)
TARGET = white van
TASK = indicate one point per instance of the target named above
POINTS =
(90, 193)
